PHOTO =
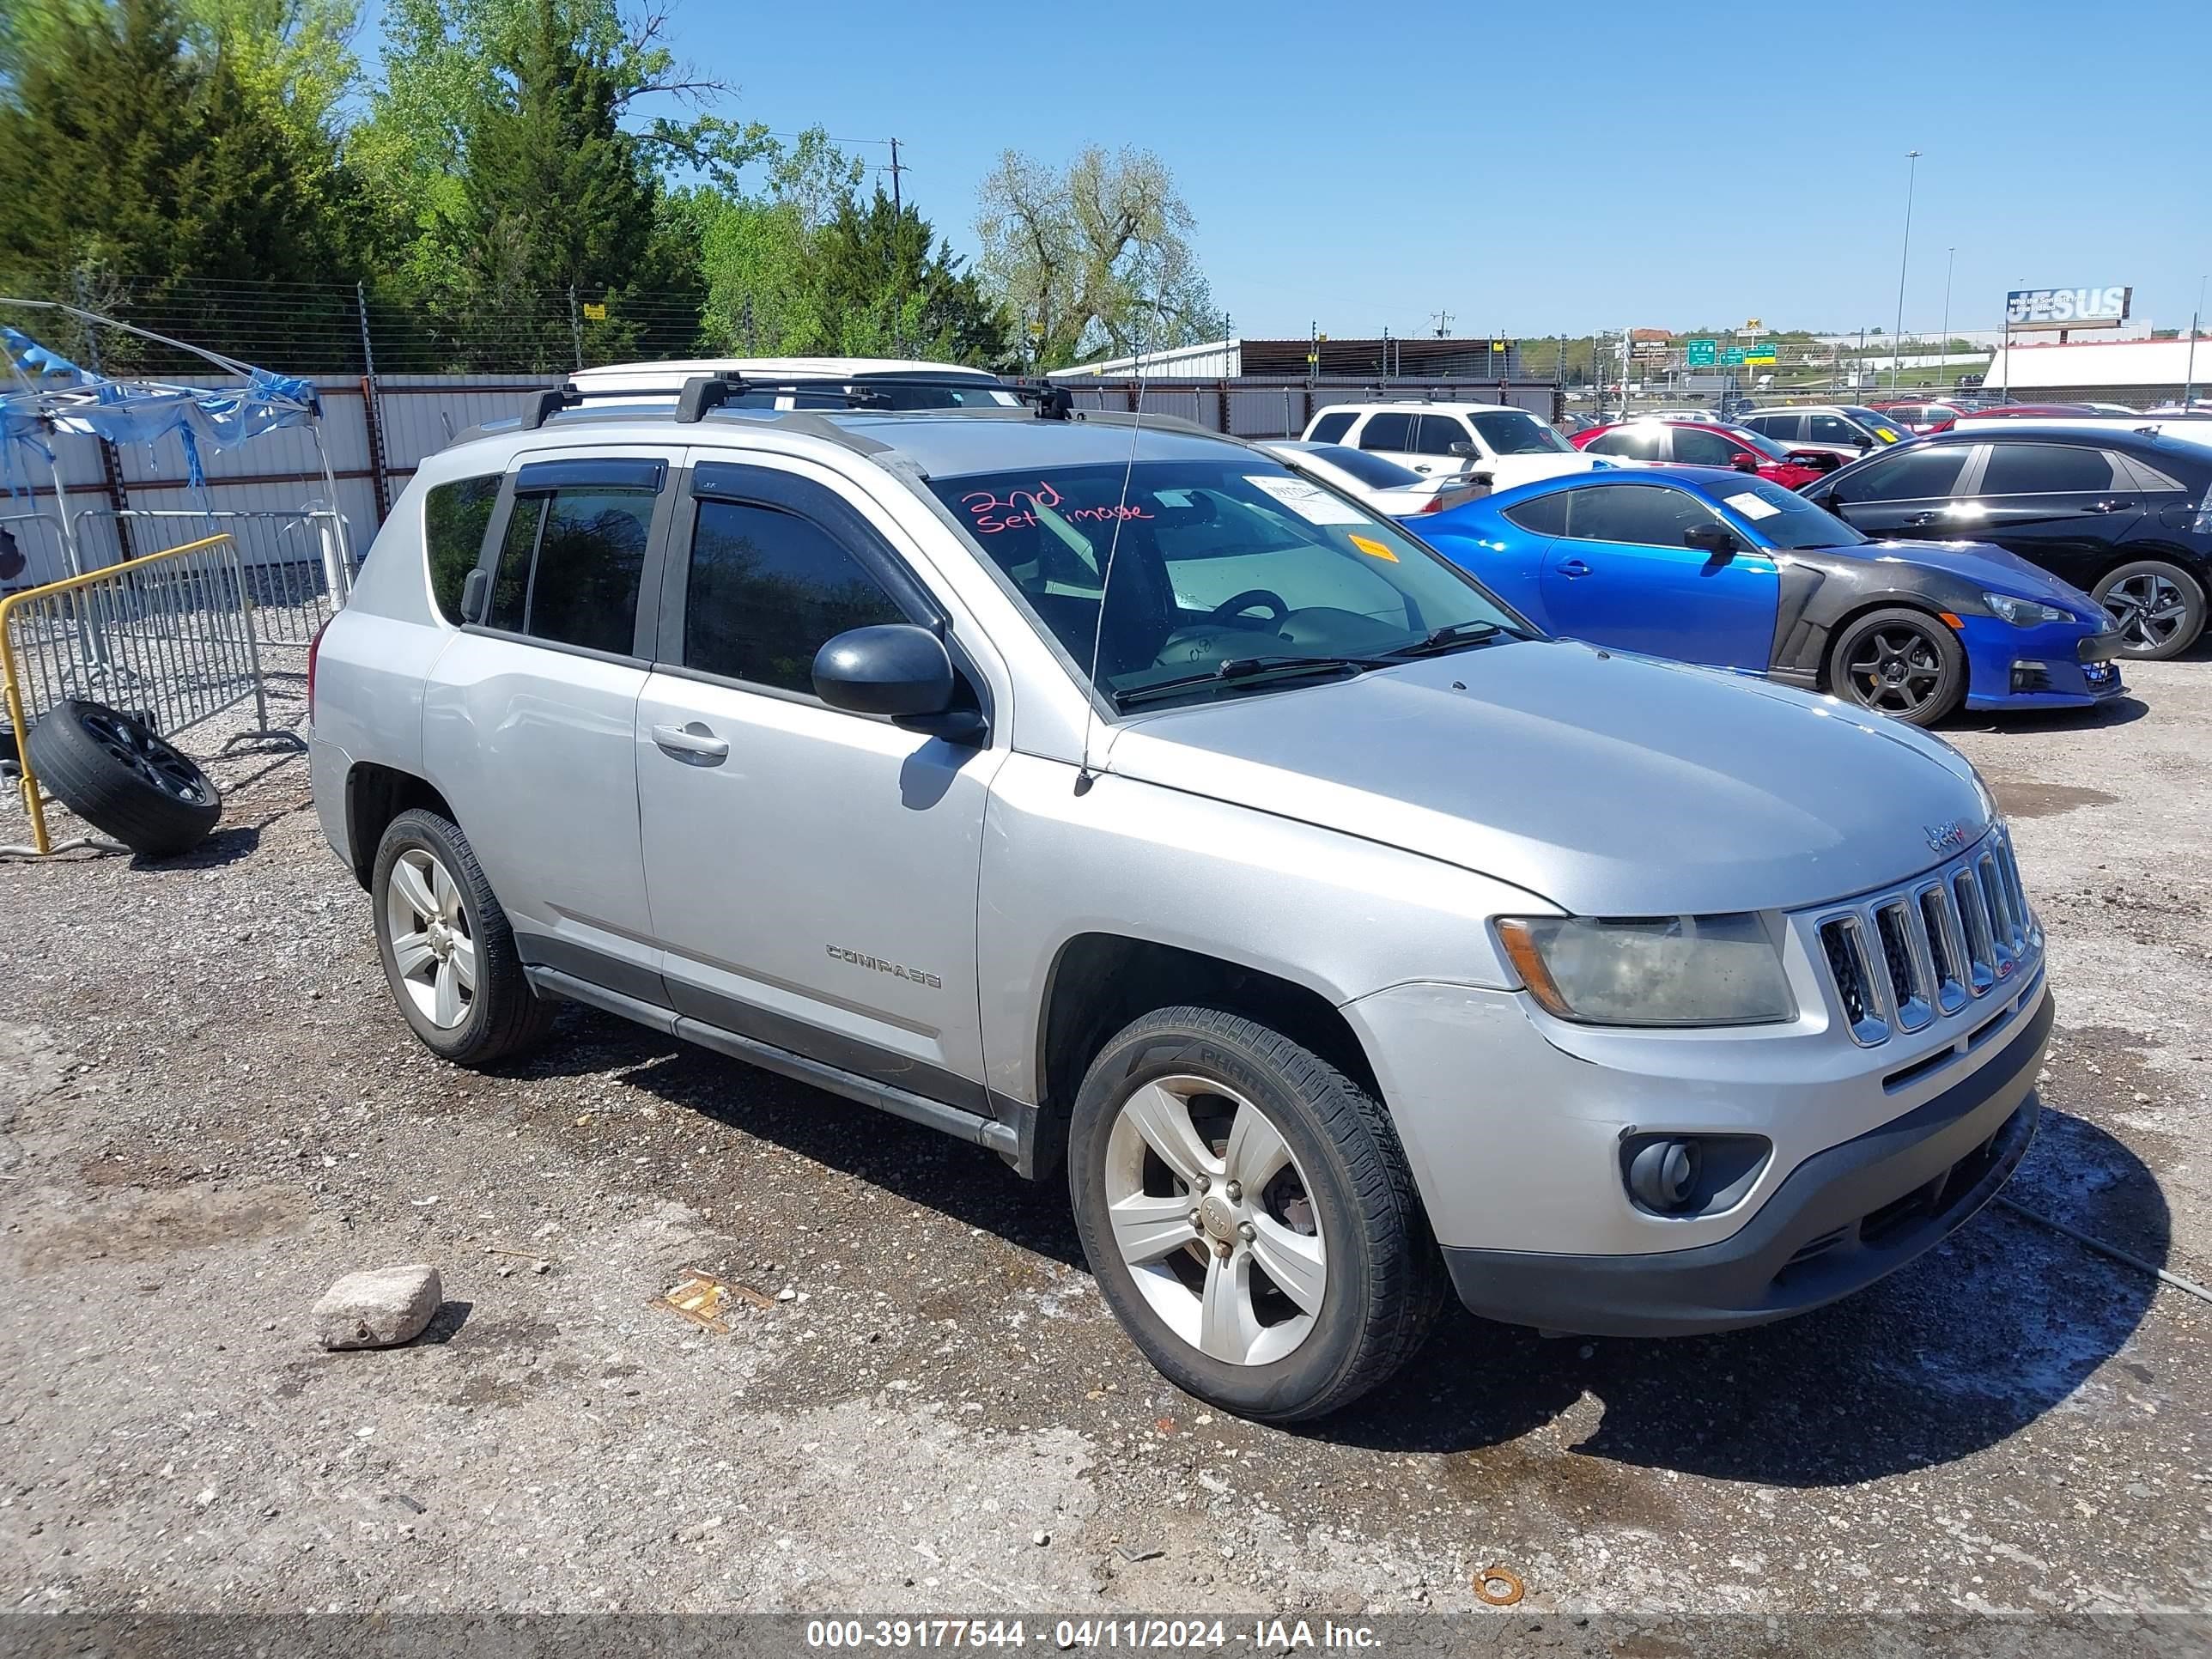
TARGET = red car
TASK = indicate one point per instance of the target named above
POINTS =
(1924, 417)
(1708, 443)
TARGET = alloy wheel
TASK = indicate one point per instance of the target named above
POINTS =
(1896, 670)
(432, 948)
(151, 759)
(1215, 1220)
(2147, 609)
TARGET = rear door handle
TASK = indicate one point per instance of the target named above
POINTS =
(2107, 507)
(1574, 567)
(694, 744)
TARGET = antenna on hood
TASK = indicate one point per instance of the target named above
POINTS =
(1084, 776)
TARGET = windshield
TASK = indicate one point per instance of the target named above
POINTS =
(1374, 470)
(1517, 432)
(1759, 442)
(1218, 562)
(1784, 517)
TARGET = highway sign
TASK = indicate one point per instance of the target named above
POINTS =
(1760, 354)
(1732, 356)
(1700, 354)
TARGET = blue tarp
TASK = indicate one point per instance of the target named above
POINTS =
(42, 392)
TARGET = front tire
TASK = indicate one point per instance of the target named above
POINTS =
(2157, 607)
(447, 951)
(1899, 662)
(1250, 1216)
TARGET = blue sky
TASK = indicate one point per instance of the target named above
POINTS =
(1552, 167)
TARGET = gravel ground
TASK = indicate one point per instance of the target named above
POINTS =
(208, 1111)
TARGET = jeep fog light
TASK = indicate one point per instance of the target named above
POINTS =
(1654, 970)
(1664, 1174)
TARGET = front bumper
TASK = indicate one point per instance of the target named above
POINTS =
(2075, 669)
(1840, 1220)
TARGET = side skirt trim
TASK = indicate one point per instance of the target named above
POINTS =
(1001, 1138)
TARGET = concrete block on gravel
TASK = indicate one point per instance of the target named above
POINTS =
(379, 1309)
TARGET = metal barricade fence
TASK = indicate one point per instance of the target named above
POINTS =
(168, 638)
(298, 566)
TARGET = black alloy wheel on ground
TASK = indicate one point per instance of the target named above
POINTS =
(2158, 608)
(1899, 662)
(121, 777)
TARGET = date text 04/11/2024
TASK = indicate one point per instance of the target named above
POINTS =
(1163, 1635)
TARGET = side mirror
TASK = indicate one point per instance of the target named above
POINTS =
(476, 588)
(1745, 461)
(897, 669)
(1466, 452)
(1716, 540)
(1862, 441)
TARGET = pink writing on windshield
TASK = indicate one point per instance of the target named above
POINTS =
(987, 514)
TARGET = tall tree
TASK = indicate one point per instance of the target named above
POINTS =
(129, 153)
(1095, 258)
(507, 172)
(890, 293)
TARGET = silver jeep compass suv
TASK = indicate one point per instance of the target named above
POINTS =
(1109, 796)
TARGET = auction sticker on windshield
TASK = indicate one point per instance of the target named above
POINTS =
(1314, 505)
(1752, 507)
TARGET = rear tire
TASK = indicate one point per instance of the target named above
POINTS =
(1899, 662)
(2158, 608)
(447, 951)
(1310, 1275)
(120, 776)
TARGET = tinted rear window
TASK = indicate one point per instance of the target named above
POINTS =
(454, 518)
(2017, 469)
(1328, 428)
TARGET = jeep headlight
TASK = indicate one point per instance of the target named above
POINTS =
(2026, 613)
(1653, 970)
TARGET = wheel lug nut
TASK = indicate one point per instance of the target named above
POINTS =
(1195, 1220)
(1247, 1231)
(1202, 1184)
(1235, 1191)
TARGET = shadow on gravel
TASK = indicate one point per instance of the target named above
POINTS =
(1964, 1348)
(225, 845)
(922, 1166)
(2123, 710)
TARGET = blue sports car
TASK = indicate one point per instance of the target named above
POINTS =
(1711, 566)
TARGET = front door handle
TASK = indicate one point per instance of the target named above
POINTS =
(695, 744)
(1574, 567)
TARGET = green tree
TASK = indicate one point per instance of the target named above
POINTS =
(131, 155)
(890, 293)
(503, 176)
(1094, 259)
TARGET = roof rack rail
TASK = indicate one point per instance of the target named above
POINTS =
(548, 404)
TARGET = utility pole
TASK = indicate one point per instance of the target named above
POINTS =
(1386, 353)
(2189, 376)
(898, 223)
(1943, 350)
(1443, 323)
(1896, 340)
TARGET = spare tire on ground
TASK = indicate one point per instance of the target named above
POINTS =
(123, 779)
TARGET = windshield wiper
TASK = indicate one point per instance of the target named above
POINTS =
(1246, 668)
(1451, 637)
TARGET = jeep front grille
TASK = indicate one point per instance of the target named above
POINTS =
(1898, 960)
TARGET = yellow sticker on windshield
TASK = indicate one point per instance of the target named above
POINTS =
(1373, 550)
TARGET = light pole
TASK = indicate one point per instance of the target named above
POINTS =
(1943, 347)
(2189, 377)
(1904, 253)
